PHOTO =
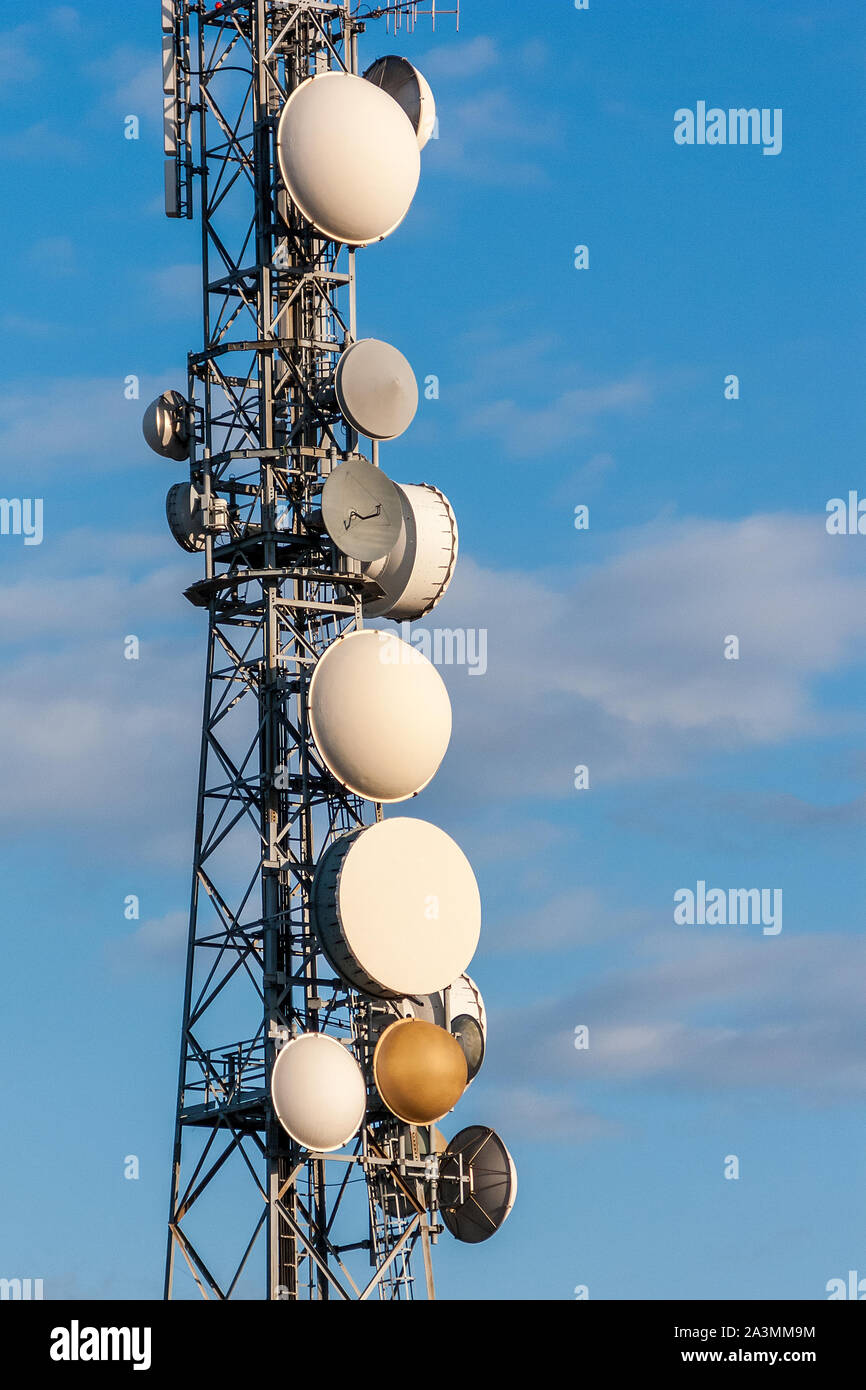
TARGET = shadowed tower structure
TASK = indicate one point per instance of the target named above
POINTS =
(327, 1018)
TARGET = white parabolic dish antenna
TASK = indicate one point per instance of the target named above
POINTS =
(380, 715)
(418, 569)
(348, 156)
(396, 76)
(318, 1092)
(362, 510)
(372, 899)
(376, 389)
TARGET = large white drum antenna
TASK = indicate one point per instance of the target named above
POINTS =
(396, 908)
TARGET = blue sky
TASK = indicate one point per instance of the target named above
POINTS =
(605, 647)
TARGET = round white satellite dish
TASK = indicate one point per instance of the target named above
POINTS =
(165, 425)
(380, 715)
(396, 908)
(418, 569)
(362, 510)
(376, 389)
(185, 517)
(397, 77)
(318, 1092)
(348, 156)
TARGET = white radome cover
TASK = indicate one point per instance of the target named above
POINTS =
(376, 389)
(406, 907)
(362, 510)
(318, 1092)
(380, 715)
(417, 571)
(465, 999)
(348, 156)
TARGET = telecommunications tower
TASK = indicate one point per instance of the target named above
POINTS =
(328, 1022)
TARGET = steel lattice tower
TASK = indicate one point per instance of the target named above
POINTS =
(278, 308)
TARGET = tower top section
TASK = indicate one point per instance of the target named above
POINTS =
(404, 14)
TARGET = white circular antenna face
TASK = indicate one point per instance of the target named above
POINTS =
(318, 1092)
(397, 908)
(465, 999)
(415, 574)
(396, 76)
(184, 515)
(474, 1210)
(348, 156)
(380, 715)
(468, 1018)
(376, 389)
(362, 510)
(165, 425)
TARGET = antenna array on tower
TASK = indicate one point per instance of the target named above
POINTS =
(330, 939)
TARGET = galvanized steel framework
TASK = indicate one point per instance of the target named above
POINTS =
(278, 307)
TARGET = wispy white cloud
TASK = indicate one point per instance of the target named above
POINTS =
(631, 687)
(175, 290)
(484, 134)
(52, 255)
(44, 141)
(703, 1012)
(461, 59)
(621, 668)
(530, 430)
(130, 80)
(88, 419)
(158, 942)
(543, 1116)
(563, 921)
